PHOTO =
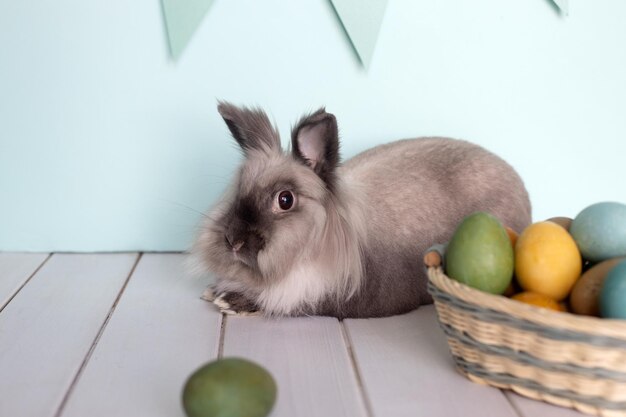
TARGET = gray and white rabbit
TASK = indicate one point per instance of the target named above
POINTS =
(299, 233)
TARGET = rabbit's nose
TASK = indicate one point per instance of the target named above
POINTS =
(234, 244)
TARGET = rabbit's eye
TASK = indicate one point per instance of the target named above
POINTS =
(285, 200)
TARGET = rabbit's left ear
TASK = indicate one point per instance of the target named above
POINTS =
(315, 142)
(250, 127)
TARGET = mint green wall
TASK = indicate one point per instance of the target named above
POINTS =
(108, 145)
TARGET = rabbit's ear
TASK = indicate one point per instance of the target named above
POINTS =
(315, 141)
(250, 127)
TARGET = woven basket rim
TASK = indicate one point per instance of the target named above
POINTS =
(594, 326)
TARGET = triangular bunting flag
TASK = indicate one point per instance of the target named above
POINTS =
(563, 5)
(182, 18)
(361, 20)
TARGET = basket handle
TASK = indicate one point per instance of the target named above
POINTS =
(435, 255)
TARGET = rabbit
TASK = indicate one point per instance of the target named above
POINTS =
(300, 233)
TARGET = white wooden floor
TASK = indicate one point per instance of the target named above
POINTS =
(118, 334)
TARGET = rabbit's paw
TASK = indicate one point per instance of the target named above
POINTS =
(209, 294)
(233, 303)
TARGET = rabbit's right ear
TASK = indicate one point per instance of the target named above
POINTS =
(315, 142)
(250, 127)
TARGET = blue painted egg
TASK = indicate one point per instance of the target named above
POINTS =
(613, 294)
(600, 231)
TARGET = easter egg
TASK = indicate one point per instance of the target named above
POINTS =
(228, 388)
(510, 289)
(585, 296)
(512, 235)
(538, 300)
(565, 222)
(613, 294)
(547, 260)
(480, 254)
(600, 231)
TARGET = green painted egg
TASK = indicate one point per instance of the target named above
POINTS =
(230, 387)
(480, 254)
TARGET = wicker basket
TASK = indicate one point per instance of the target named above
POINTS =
(567, 360)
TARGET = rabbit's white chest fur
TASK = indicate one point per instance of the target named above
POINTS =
(305, 284)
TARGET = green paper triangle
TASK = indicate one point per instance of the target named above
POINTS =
(182, 18)
(563, 5)
(361, 20)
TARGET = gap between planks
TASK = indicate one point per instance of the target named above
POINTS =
(25, 282)
(512, 403)
(355, 367)
(220, 343)
(83, 364)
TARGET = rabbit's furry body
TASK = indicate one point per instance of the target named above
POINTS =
(352, 242)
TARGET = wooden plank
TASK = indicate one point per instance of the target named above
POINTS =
(50, 325)
(307, 357)
(15, 269)
(159, 333)
(407, 370)
(533, 408)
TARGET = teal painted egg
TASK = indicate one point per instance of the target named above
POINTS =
(600, 231)
(613, 295)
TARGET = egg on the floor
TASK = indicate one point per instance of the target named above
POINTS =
(229, 387)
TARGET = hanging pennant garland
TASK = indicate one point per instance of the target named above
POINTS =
(563, 5)
(182, 18)
(360, 20)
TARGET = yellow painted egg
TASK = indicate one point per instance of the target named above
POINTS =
(547, 260)
(538, 300)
